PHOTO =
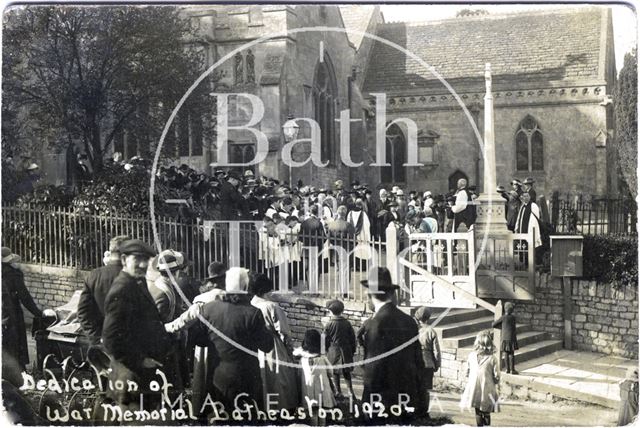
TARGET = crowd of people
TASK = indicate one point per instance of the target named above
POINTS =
(233, 195)
(230, 344)
(233, 343)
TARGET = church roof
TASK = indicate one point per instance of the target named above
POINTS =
(558, 45)
(356, 17)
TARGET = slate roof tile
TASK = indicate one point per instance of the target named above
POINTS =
(550, 46)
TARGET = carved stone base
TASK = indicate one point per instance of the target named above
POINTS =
(491, 214)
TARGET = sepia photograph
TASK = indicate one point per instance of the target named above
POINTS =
(319, 214)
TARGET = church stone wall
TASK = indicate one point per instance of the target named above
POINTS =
(303, 55)
(572, 162)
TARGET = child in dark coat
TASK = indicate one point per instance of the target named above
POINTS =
(341, 342)
(430, 348)
(628, 412)
(509, 345)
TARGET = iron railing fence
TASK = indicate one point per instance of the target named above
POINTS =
(61, 237)
(593, 216)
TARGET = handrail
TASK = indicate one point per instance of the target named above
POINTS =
(448, 285)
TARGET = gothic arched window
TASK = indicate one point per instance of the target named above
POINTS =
(325, 96)
(529, 146)
(243, 154)
(395, 144)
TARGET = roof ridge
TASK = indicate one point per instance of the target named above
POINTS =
(500, 15)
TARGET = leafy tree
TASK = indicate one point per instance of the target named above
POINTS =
(626, 114)
(86, 74)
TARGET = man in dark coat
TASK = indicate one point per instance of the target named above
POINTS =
(14, 295)
(133, 332)
(387, 215)
(341, 233)
(513, 204)
(394, 377)
(94, 293)
(312, 235)
(238, 372)
(528, 187)
(231, 201)
(463, 209)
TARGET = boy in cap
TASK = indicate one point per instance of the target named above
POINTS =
(341, 340)
(429, 346)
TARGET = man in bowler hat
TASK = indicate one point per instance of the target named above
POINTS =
(528, 187)
(394, 373)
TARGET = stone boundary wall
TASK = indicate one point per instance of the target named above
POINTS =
(52, 286)
(545, 313)
(605, 320)
(602, 319)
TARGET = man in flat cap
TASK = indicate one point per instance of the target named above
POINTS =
(133, 332)
(398, 375)
(96, 288)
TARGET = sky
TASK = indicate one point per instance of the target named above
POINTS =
(624, 18)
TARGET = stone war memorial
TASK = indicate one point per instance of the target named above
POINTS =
(319, 214)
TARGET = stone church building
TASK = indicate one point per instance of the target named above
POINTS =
(553, 76)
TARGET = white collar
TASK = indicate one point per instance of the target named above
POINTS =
(377, 305)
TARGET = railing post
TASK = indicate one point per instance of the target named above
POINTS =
(391, 234)
(497, 333)
(567, 311)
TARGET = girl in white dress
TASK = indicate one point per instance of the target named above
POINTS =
(481, 392)
(316, 382)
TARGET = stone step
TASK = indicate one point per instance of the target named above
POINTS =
(460, 315)
(525, 337)
(537, 349)
(527, 352)
(464, 327)
(542, 385)
(451, 316)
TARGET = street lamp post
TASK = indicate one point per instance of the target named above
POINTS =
(290, 131)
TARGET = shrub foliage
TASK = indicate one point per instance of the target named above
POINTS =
(611, 259)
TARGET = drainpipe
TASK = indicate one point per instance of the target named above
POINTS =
(350, 80)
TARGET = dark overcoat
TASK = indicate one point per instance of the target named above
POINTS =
(507, 326)
(312, 233)
(231, 202)
(401, 370)
(238, 371)
(133, 329)
(341, 341)
(94, 293)
(14, 331)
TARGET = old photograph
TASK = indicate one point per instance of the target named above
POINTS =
(319, 214)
